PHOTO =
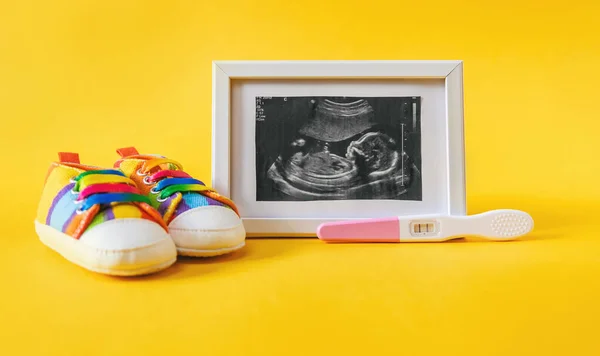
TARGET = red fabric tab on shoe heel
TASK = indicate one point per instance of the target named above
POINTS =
(68, 157)
(127, 151)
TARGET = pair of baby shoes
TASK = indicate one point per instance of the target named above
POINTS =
(134, 218)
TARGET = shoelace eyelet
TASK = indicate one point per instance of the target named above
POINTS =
(79, 211)
(140, 173)
(158, 198)
(147, 181)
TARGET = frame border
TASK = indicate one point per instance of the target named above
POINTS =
(225, 71)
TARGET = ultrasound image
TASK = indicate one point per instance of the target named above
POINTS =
(338, 148)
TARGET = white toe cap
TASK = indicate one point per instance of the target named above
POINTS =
(126, 247)
(206, 218)
(124, 234)
(207, 228)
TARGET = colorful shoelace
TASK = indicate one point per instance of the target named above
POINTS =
(175, 180)
(105, 187)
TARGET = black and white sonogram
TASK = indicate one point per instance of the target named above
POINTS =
(338, 148)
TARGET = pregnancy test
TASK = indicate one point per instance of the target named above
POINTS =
(502, 224)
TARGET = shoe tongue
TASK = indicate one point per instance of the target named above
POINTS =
(131, 158)
(157, 168)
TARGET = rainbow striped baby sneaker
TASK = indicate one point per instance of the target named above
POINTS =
(201, 222)
(98, 219)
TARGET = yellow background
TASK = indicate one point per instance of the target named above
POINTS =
(91, 76)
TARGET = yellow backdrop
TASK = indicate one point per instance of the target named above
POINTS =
(91, 76)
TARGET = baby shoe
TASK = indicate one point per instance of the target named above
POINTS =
(201, 222)
(98, 219)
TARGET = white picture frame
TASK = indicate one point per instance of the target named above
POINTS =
(231, 173)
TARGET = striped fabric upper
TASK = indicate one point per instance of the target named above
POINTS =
(78, 197)
(170, 189)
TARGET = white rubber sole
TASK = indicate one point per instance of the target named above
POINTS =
(208, 243)
(123, 262)
(208, 253)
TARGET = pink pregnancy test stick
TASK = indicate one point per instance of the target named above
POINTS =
(501, 224)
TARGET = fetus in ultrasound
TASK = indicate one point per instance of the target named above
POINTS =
(341, 152)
